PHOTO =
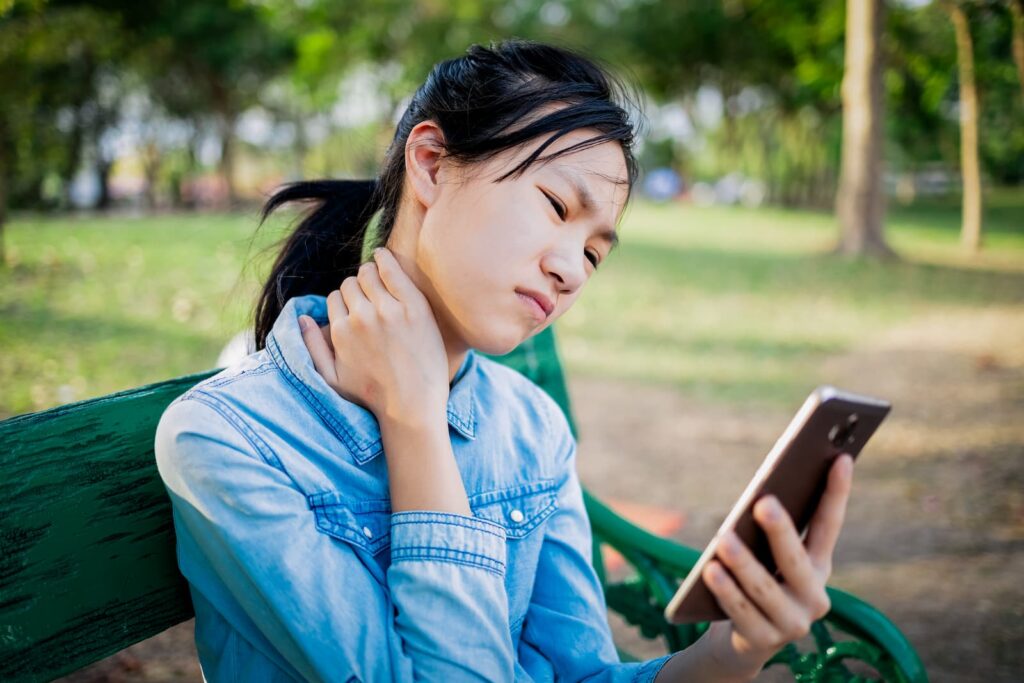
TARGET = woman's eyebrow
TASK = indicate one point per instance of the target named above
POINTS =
(586, 200)
(583, 193)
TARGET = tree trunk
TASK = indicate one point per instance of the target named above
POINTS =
(300, 147)
(970, 172)
(227, 156)
(188, 193)
(860, 200)
(151, 169)
(5, 177)
(103, 169)
(3, 219)
(74, 157)
(1017, 10)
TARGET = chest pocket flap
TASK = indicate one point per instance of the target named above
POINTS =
(365, 524)
(520, 509)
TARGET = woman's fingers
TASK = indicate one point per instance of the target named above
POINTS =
(372, 286)
(823, 532)
(319, 351)
(762, 588)
(337, 315)
(388, 353)
(326, 332)
(358, 306)
(802, 578)
(788, 549)
(746, 617)
(336, 308)
(394, 278)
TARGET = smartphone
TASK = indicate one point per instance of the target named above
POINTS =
(829, 423)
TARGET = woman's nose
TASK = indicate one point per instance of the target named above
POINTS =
(568, 271)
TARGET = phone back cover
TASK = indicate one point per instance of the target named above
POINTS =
(798, 478)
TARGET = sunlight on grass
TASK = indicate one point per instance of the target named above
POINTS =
(92, 306)
(744, 306)
(726, 304)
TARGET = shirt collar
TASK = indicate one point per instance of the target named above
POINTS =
(354, 425)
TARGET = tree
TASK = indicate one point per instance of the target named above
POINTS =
(860, 202)
(202, 61)
(1017, 12)
(49, 63)
(970, 171)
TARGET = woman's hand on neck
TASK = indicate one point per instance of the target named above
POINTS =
(404, 244)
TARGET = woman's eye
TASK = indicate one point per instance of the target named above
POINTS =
(559, 209)
(593, 257)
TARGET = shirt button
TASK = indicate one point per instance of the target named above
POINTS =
(517, 516)
(367, 532)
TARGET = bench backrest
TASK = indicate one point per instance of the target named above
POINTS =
(87, 557)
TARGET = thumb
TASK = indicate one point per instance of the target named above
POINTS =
(322, 355)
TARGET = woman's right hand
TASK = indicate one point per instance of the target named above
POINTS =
(388, 355)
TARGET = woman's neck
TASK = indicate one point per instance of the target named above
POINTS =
(403, 243)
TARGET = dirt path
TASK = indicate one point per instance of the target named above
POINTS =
(934, 535)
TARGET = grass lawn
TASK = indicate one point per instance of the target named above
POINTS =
(731, 305)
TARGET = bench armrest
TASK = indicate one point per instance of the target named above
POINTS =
(660, 565)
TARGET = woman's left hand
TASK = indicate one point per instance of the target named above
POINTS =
(764, 614)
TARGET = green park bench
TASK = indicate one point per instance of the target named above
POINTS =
(88, 564)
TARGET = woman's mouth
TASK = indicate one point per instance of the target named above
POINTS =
(535, 307)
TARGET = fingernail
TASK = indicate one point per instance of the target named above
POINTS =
(304, 322)
(772, 507)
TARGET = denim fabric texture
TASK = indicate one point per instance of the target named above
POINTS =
(299, 570)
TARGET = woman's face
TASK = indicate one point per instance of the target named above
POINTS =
(487, 250)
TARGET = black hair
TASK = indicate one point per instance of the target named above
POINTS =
(480, 102)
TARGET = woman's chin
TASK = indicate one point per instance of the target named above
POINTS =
(499, 342)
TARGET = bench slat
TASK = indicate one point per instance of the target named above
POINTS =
(87, 564)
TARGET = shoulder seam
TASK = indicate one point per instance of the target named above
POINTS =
(261, 447)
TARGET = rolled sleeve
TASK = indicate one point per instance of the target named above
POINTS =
(447, 583)
(448, 537)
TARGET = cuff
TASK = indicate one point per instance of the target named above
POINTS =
(448, 537)
(648, 671)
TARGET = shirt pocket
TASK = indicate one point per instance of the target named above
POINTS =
(366, 524)
(519, 509)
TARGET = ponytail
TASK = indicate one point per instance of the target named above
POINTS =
(324, 249)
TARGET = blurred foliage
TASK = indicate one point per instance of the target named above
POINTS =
(922, 85)
(72, 70)
(51, 69)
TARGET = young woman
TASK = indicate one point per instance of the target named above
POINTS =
(368, 499)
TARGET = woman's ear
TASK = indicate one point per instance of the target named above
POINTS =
(423, 152)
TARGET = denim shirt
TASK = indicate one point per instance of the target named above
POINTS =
(299, 570)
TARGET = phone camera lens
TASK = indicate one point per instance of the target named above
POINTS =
(842, 435)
